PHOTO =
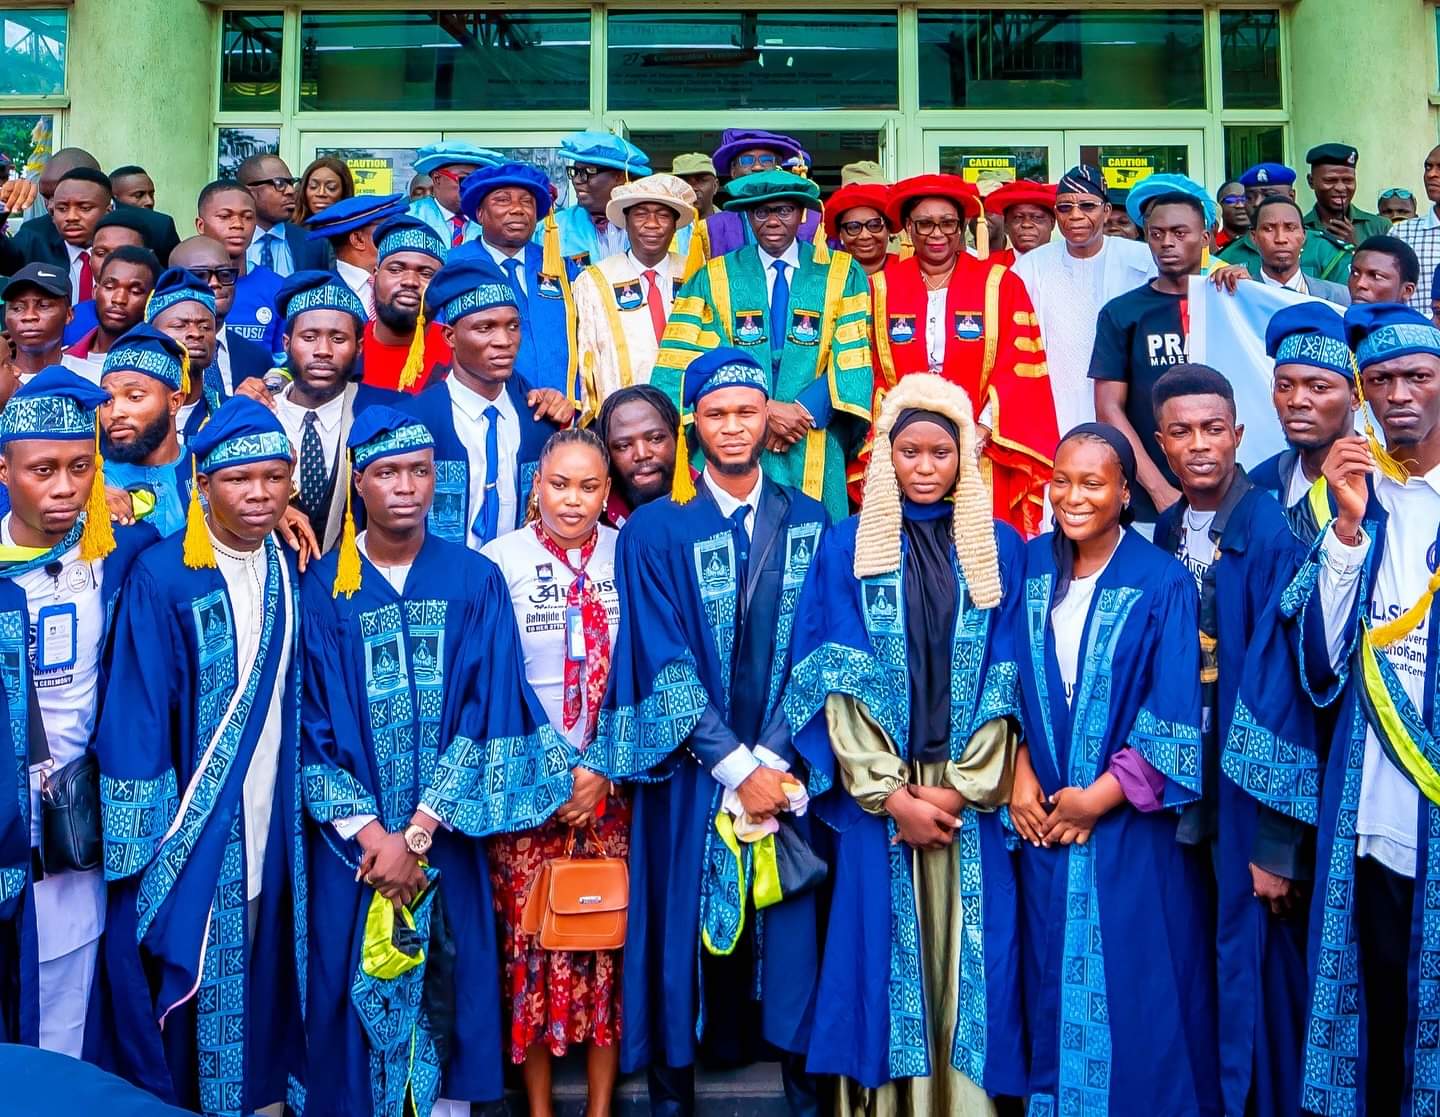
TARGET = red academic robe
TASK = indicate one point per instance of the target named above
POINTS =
(992, 350)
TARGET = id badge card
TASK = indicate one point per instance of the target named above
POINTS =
(55, 637)
(574, 633)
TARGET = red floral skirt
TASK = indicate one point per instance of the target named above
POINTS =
(556, 997)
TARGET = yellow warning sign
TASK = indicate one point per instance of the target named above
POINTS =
(372, 176)
(980, 169)
(1124, 171)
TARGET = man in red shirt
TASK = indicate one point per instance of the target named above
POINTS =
(400, 350)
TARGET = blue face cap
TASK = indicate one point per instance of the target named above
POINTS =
(57, 405)
(145, 349)
(1267, 174)
(723, 368)
(466, 286)
(404, 233)
(240, 432)
(384, 432)
(488, 179)
(1309, 333)
(176, 286)
(603, 149)
(349, 214)
(317, 290)
(1383, 331)
(1148, 189)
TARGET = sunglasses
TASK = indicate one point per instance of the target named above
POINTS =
(277, 183)
(747, 161)
(854, 228)
(1232, 199)
(226, 277)
(584, 174)
(1086, 208)
(1397, 192)
(453, 176)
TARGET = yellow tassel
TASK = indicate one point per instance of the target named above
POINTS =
(1383, 459)
(982, 236)
(907, 246)
(347, 561)
(184, 370)
(1205, 260)
(415, 358)
(682, 486)
(822, 246)
(1407, 622)
(699, 251)
(97, 538)
(551, 262)
(198, 553)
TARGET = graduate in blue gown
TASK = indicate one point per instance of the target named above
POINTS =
(1235, 539)
(489, 424)
(541, 286)
(204, 954)
(904, 677)
(1116, 930)
(1362, 620)
(59, 557)
(422, 650)
(708, 591)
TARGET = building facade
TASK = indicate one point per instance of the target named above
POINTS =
(186, 87)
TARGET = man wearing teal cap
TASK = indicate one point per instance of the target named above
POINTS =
(596, 163)
(448, 164)
(58, 583)
(803, 313)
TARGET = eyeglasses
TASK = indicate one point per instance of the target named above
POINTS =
(924, 226)
(276, 183)
(1397, 192)
(766, 160)
(453, 176)
(1232, 199)
(782, 211)
(852, 228)
(584, 174)
(1086, 208)
(226, 277)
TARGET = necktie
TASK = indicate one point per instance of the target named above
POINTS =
(779, 311)
(656, 302)
(742, 545)
(367, 297)
(457, 231)
(512, 273)
(312, 469)
(487, 519)
(267, 250)
(87, 277)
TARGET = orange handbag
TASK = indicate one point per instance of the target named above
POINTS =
(578, 903)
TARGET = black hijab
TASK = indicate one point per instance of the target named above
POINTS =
(1064, 549)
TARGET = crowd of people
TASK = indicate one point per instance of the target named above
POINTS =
(707, 623)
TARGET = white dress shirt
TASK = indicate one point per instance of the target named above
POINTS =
(663, 279)
(467, 411)
(327, 422)
(1295, 283)
(1389, 802)
(791, 256)
(360, 282)
(499, 255)
(73, 251)
(222, 360)
(1067, 620)
(282, 263)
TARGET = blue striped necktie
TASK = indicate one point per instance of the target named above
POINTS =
(487, 519)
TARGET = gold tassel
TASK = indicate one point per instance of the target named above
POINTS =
(682, 486)
(347, 561)
(415, 358)
(198, 553)
(1408, 621)
(822, 246)
(1383, 459)
(551, 262)
(907, 246)
(699, 251)
(97, 537)
(184, 370)
(982, 236)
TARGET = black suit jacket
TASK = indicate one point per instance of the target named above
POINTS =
(309, 255)
(39, 241)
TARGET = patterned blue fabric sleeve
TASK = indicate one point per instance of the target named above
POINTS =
(1322, 680)
(1166, 730)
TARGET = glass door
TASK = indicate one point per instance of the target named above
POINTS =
(382, 162)
(998, 156)
(1125, 157)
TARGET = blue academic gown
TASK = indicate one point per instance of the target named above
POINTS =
(1260, 958)
(390, 681)
(451, 515)
(248, 358)
(871, 1023)
(699, 666)
(1334, 1063)
(84, 319)
(1117, 935)
(169, 484)
(547, 321)
(232, 1007)
(19, 958)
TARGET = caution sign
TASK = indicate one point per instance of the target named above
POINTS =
(1121, 172)
(372, 176)
(979, 169)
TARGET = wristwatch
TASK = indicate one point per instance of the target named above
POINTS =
(418, 839)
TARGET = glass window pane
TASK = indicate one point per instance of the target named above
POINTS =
(1005, 163)
(1248, 144)
(250, 61)
(34, 51)
(1250, 59)
(753, 59)
(235, 145)
(1062, 60)
(432, 61)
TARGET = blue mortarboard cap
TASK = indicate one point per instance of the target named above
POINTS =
(1309, 333)
(524, 175)
(55, 405)
(432, 157)
(143, 348)
(604, 149)
(175, 286)
(240, 432)
(317, 290)
(1148, 189)
(465, 286)
(403, 233)
(1383, 331)
(349, 214)
(1267, 174)
(382, 432)
(723, 368)
(735, 140)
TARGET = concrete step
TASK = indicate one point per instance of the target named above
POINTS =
(753, 1091)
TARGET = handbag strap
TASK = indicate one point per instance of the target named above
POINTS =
(37, 744)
